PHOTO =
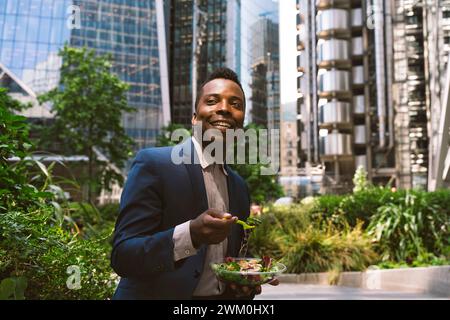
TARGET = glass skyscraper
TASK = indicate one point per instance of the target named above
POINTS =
(216, 32)
(253, 11)
(133, 32)
(265, 96)
(31, 33)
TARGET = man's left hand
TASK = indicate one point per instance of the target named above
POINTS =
(248, 291)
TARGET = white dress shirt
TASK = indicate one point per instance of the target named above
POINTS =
(215, 178)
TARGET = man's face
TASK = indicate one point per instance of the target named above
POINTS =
(221, 106)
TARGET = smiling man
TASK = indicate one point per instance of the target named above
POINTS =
(220, 104)
(177, 219)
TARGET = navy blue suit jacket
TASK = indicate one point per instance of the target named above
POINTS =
(159, 195)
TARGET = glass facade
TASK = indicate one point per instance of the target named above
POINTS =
(265, 97)
(32, 32)
(220, 47)
(181, 61)
(253, 11)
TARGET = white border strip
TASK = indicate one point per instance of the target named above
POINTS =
(163, 67)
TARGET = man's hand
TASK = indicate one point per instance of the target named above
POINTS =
(211, 227)
(247, 291)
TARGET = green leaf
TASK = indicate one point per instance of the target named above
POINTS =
(244, 225)
(27, 146)
(21, 285)
(7, 288)
(42, 167)
(58, 212)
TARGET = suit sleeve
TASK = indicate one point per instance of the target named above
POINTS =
(140, 248)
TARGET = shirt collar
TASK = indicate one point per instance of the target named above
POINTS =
(204, 161)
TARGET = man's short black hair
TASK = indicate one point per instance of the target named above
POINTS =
(221, 73)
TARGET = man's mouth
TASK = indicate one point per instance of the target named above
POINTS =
(221, 125)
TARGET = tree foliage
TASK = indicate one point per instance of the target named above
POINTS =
(39, 239)
(88, 106)
(16, 191)
(263, 188)
(164, 138)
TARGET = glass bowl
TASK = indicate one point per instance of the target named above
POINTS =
(246, 278)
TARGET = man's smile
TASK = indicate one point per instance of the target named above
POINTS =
(222, 124)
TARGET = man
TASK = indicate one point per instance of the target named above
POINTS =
(176, 219)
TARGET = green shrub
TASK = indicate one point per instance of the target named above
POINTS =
(440, 200)
(39, 239)
(414, 226)
(109, 212)
(316, 251)
(327, 205)
(275, 222)
(34, 248)
(424, 260)
(405, 227)
(363, 205)
(290, 234)
(93, 222)
(16, 191)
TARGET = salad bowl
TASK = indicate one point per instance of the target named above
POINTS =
(247, 271)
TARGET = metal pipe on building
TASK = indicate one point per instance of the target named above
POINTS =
(366, 99)
(314, 83)
(195, 50)
(436, 87)
(443, 138)
(306, 116)
(163, 63)
(389, 76)
(379, 70)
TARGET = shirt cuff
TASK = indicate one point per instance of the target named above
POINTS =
(182, 242)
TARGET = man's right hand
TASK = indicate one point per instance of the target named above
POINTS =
(211, 227)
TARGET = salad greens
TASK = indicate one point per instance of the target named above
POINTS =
(245, 225)
(251, 223)
(247, 271)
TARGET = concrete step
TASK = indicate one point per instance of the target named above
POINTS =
(426, 280)
(293, 291)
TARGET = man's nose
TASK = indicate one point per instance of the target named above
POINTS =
(224, 107)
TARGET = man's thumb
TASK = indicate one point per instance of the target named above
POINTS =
(219, 215)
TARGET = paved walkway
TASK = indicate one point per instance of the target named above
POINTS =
(287, 291)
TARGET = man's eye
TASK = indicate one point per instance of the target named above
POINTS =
(237, 104)
(211, 101)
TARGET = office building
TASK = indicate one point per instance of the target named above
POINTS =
(265, 91)
(204, 35)
(133, 32)
(370, 88)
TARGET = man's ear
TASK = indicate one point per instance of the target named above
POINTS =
(194, 118)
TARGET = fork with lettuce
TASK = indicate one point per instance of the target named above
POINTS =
(251, 223)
